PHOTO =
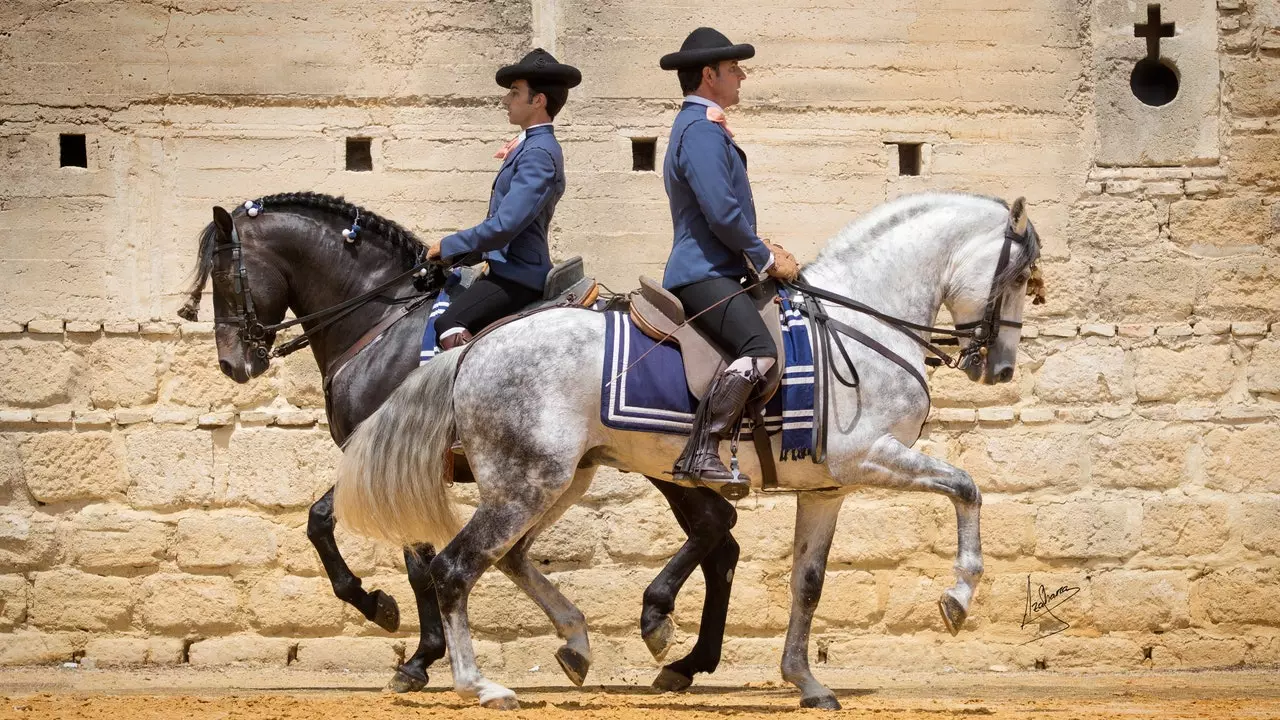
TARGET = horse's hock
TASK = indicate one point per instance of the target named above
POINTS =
(153, 512)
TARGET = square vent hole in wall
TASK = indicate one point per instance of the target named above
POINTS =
(72, 151)
(910, 158)
(359, 154)
(644, 154)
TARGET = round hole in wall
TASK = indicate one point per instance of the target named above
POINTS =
(1154, 82)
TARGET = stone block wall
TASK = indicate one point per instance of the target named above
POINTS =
(152, 511)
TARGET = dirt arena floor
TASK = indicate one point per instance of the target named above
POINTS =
(286, 694)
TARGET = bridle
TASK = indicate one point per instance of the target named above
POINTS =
(259, 337)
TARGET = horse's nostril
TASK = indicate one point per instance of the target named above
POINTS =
(225, 367)
(1006, 375)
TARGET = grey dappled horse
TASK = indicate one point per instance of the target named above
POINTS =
(526, 402)
(290, 254)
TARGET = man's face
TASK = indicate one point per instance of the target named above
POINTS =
(520, 110)
(724, 82)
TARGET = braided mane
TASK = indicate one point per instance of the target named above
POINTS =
(411, 249)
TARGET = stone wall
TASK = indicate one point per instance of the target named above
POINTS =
(152, 511)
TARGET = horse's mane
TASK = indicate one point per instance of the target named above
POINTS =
(871, 227)
(410, 248)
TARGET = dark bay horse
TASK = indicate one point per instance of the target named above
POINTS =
(288, 253)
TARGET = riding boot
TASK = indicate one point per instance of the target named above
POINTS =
(717, 418)
(455, 340)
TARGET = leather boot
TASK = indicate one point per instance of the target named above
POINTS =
(716, 419)
(455, 340)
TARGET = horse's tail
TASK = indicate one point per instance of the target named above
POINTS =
(391, 483)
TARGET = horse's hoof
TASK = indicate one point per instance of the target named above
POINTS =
(658, 640)
(574, 665)
(953, 613)
(821, 702)
(386, 614)
(502, 702)
(403, 682)
(671, 681)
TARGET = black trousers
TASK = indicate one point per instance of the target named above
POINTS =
(487, 300)
(734, 325)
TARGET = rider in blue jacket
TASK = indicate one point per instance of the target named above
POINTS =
(513, 238)
(716, 247)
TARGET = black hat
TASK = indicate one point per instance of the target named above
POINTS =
(539, 68)
(705, 46)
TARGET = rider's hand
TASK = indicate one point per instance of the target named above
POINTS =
(433, 251)
(784, 265)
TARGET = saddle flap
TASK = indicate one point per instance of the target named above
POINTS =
(563, 277)
(662, 300)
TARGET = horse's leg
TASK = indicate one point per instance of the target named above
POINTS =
(570, 624)
(377, 606)
(412, 675)
(892, 464)
(707, 519)
(815, 526)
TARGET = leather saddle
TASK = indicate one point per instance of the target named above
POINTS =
(661, 316)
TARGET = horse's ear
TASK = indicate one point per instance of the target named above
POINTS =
(1018, 217)
(222, 219)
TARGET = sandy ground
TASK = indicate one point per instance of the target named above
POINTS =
(287, 694)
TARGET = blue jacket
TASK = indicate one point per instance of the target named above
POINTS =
(513, 237)
(711, 205)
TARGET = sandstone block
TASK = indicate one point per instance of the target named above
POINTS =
(1037, 415)
(850, 598)
(1085, 373)
(1260, 524)
(1107, 654)
(349, 653)
(1008, 530)
(12, 479)
(300, 381)
(611, 486)
(1173, 527)
(1202, 372)
(29, 647)
(572, 538)
(290, 605)
(605, 594)
(27, 540)
(1200, 652)
(237, 649)
(194, 380)
(1140, 600)
(644, 529)
(224, 540)
(276, 468)
(882, 652)
(772, 523)
(13, 601)
(869, 534)
(38, 373)
(949, 387)
(1145, 291)
(1021, 458)
(169, 468)
(913, 604)
(184, 604)
(1254, 85)
(759, 603)
(1144, 455)
(1113, 226)
(1264, 367)
(123, 371)
(62, 466)
(72, 600)
(1237, 595)
(131, 651)
(1088, 528)
(1243, 459)
(113, 538)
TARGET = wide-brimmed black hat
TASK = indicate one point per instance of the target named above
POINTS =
(539, 68)
(705, 46)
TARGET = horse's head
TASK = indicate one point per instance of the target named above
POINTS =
(992, 278)
(248, 294)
